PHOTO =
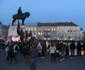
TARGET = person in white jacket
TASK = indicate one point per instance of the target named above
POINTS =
(6, 50)
(52, 51)
(39, 46)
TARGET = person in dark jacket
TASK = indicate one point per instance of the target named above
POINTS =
(43, 48)
(66, 50)
(33, 56)
(83, 46)
(11, 53)
(58, 49)
(26, 53)
(72, 47)
(62, 49)
(79, 46)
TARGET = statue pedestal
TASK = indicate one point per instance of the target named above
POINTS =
(12, 31)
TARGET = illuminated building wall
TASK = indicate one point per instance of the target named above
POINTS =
(55, 31)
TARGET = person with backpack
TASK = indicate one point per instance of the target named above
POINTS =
(33, 56)
(16, 49)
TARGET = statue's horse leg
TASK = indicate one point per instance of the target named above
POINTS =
(13, 21)
(23, 22)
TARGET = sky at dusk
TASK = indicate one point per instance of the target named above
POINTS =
(45, 11)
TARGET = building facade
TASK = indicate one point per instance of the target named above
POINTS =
(84, 35)
(58, 31)
(3, 31)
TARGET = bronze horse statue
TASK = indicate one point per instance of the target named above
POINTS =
(22, 17)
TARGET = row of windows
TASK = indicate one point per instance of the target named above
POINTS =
(68, 31)
(31, 29)
(58, 34)
(47, 29)
(53, 29)
(68, 27)
(40, 33)
(34, 29)
(59, 28)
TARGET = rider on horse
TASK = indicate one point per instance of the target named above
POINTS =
(19, 11)
(20, 16)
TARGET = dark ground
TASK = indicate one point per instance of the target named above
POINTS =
(43, 63)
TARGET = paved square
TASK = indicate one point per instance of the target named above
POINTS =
(43, 63)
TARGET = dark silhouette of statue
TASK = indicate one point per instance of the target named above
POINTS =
(30, 34)
(20, 32)
(19, 11)
(20, 16)
(26, 34)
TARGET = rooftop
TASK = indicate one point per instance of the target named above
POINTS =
(57, 24)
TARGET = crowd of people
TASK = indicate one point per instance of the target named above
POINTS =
(39, 48)
(63, 50)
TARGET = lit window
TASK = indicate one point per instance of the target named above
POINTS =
(34, 28)
(52, 29)
(44, 38)
(48, 33)
(38, 33)
(31, 28)
(65, 38)
(41, 33)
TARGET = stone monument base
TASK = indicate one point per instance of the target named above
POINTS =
(12, 31)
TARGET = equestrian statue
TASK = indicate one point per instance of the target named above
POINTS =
(20, 16)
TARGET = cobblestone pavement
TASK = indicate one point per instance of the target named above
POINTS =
(43, 63)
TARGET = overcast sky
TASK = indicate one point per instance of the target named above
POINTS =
(45, 11)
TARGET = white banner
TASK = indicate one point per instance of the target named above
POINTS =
(16, 38)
